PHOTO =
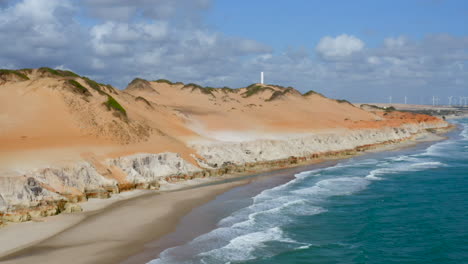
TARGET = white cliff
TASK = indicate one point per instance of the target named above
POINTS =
(68, 184)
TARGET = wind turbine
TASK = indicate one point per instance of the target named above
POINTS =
(450, 100)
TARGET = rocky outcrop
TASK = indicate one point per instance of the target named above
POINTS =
(52, 190)
(147, 170)
(217, 153)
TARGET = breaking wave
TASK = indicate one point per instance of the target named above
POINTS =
(260, 229)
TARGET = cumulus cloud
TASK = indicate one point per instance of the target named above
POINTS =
(397, 42)
(340, 46)
(156, 39)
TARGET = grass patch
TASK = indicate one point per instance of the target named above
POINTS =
(279, 94)
(254, 89)
(386, 109)
(26, 70)
(111, 89)
(95, 85)
(77, 87)
(111, 103)
(275, 95)
(58, 72)
(14, 72)
(168, 82)
(312, 92)
(164, 81)
(140, 98)
(390, 109)
(372, 106)
(228, 89)
(343, 101)
(204, 90)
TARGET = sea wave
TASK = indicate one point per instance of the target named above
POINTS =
(243, 247)
(258, 230)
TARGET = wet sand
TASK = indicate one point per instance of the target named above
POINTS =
(117, 231)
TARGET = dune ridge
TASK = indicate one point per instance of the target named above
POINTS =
(65, 138)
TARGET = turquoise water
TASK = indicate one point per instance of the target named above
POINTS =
(396, 207)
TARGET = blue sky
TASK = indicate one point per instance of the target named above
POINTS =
(363, 50)
(304, 22)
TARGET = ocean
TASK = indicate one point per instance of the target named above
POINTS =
(406, 206)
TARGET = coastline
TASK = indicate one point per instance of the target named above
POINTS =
(88, 235)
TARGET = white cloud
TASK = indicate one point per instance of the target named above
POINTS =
(129, 43)
(393, 43)
(340, 46)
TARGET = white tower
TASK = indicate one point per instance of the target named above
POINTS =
(450, 100)
(261, 77)
(406, 100)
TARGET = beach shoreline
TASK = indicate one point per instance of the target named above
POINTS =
(88, 235)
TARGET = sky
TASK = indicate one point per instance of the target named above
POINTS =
(362, 50)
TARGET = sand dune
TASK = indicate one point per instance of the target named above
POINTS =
(61, 134)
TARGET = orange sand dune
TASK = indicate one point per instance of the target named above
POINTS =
(44, 114)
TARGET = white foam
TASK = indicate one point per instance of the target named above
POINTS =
(335, 186)
(244, 234)
(242, 247)
(404, 158)
(464, 132)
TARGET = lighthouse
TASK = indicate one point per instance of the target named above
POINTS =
(261, 77)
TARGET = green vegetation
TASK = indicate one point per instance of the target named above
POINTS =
(78, 87)
(168, 82)
(205, 90)
(95, 85)
(111, 89)
(343, 101)
(58, 72)
(14, 72)
(164, 81)
(275, 95)
(254, 89)
(390, 109)
(372, 106)
(279, 94)
(228, 89)
(140, 98)
(386, 109)
(25, 70)
(311, 92)
(113, 104)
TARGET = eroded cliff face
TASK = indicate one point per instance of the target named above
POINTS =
(51, 190)
(217, 153)
(147, 170)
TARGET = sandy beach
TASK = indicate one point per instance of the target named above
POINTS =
(110, 234)
(112, 230)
